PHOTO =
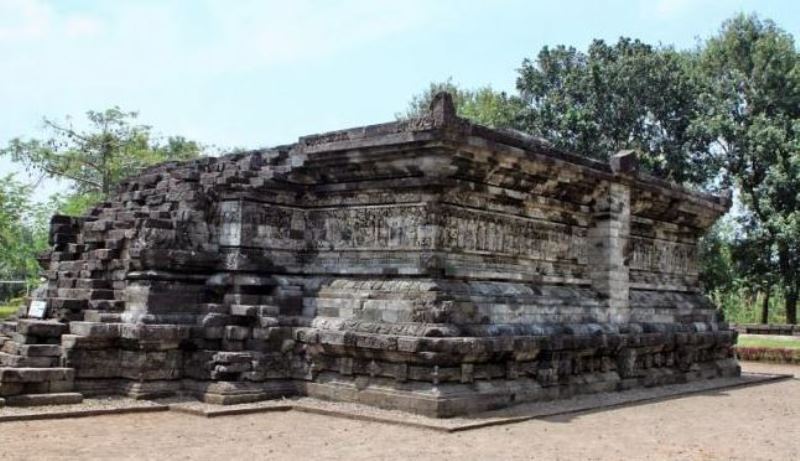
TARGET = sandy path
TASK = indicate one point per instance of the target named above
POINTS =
(759, 422)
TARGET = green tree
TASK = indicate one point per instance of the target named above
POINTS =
(738, 265)
(483, 105)
(95, 160)
(92, 160)
(23, 230)
(756, 265)
(751, 100)
(718, 268)
(629, 95)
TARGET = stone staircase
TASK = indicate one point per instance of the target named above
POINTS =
(30, 364)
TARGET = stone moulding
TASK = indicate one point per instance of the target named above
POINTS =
(429, 265)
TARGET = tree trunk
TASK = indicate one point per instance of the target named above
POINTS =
(792, 284)
(791, 306)
(765, 306)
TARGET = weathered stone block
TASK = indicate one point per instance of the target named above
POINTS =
(9, 360)
(95, 329)
(9, 388)
(41, 328)
(165, 333)
(237, 333)
(29, 400)
(40, 350)
(30, 375)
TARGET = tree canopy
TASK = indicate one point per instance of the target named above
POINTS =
(629, 95)
(23, 230)
(94, 160)
(751, 109)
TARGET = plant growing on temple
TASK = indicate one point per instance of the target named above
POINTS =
(483, 105)
(95, 159)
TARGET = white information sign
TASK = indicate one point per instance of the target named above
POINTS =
(37, 309)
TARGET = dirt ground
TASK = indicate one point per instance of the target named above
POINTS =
(757, 422)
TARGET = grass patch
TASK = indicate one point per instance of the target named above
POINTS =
(10, 307)
(769, 342)
(7, 311)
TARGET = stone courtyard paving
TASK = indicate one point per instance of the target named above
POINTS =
(755, 422)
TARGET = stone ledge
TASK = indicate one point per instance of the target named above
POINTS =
(31, 400)
(35, 375)
(443, 400)
(81, 413)
(515, 343)
(41, 328)
(231, 393)
(514, 414)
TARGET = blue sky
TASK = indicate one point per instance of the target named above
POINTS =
(241, 73)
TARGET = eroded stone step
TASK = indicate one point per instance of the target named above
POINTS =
(41, 328)
(20, 338)
(12, 360)
(30, 400)
(101, 316)
(259, 310)
(17, 381)
(31, 350)
(8, 327)
(35, 375)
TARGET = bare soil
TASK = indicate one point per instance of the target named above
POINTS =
(756, 422)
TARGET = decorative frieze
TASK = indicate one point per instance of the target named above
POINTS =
(655, 255)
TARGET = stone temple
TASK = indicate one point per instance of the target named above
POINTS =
(430, 265)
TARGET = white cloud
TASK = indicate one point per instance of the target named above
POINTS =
(60, 58)
(24, 19)
(142, 41)
(253, 33)
(671, 7)
(81, 25)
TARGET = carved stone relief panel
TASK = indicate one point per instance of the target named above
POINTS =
(472, 231)
(229, 223)
(383, 227)
(663, 256)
